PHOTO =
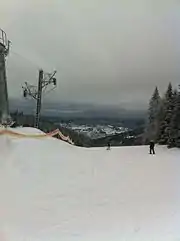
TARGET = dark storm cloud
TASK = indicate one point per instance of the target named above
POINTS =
(111, 52)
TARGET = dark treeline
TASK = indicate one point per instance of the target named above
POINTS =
(163, 124)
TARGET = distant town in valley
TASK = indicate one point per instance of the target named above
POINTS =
(87, 125)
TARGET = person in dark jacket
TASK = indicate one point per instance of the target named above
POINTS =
(151, 147)
(108, 146)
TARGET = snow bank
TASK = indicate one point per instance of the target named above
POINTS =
(27, 130)
(53, 191)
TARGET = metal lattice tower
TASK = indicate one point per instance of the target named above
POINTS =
(36, 92)
(4, 103)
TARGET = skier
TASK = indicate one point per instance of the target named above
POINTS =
(108, 146)
(151, 147)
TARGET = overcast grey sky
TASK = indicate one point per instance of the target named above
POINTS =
(105, 51)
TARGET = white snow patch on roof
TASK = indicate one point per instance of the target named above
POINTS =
(54, 191)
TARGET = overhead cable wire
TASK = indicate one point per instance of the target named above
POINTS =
(27, 59)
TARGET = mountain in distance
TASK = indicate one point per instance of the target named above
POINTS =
(75, 110)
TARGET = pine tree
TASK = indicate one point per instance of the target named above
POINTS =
(167, 112)
(174, 122)
(177, 111)
(160, 118)
(153, 126)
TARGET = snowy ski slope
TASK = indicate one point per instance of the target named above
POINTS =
(52, 191)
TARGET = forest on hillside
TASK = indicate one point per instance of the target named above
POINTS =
(163, 124)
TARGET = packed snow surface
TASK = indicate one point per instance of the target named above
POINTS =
(53, 191)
